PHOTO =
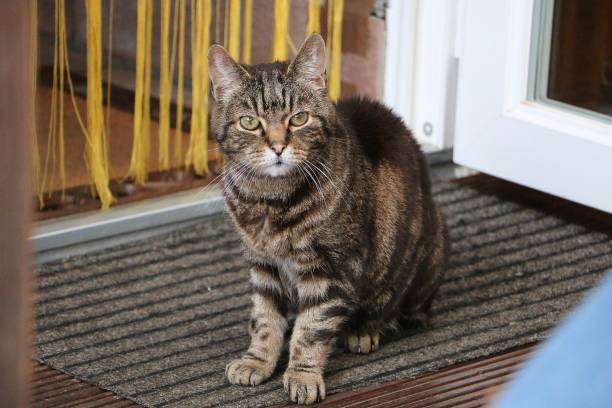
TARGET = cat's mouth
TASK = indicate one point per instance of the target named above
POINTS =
(278, 167)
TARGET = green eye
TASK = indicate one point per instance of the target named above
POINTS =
(299, 119)
(249, 122)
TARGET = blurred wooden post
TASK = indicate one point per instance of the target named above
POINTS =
(15, 202)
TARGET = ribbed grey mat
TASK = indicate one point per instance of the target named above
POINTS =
(157, 320)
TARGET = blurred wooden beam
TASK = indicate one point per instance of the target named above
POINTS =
(15, 122)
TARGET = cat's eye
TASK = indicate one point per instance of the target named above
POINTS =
(299, 119)
(249, 122)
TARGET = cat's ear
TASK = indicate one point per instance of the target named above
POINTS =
(309, 64)
(225, 74)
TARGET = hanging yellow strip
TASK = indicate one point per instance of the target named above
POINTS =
(195, 79)
(52, 117)
(336, 48)
(197, 155)
(55, 138)
(135, 170)
(218, 21)
(109, 71)
(95, 151)
(314, 17)
(247, 29)
(175, 15)
(178, 131)
(281, 25)
(200, 160)
(146, 98)
(330, 30)
(36, 171)
(165, 88)
(226, 17)
(140, 151)
(234, 29)
(77, 113)
(61, 74)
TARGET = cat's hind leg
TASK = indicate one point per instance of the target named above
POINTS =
(363, 332)
(362, 343)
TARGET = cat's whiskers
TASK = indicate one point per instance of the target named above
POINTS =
(339, 180)
(227, 172)
(251, 177)
(212, 182)
(246, 175)
(329, 177)
(307, 178)
(238, 174)
(318, 171)
(315, 180)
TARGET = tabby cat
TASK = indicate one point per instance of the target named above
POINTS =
(333, 204)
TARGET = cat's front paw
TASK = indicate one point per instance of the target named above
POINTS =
(245, 371)
(304, 387)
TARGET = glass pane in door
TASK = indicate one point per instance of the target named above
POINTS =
(575, 54)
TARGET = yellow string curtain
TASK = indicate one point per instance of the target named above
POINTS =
(60, 94)
(226, 15)
(94, 132)
(36, 167)
(247, 29)
(234, 29)
(237, 21)
(55, 136)
(281, 25)
(95, 151)
(142, 93)
(314, 17)
(165, 87)
(218, 21)
(178, 126)
(109, 70)
(197, 154)
(334, 40)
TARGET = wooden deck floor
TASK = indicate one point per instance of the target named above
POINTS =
(464, 385)
(52, 388)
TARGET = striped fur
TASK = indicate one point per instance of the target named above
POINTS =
(341, 228)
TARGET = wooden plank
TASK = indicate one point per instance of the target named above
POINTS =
(468, 384)
(15, 120)
(91, 401)
(54, 389)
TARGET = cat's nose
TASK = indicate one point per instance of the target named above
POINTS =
(278, 147)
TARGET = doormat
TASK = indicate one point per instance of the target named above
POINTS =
(157, 320)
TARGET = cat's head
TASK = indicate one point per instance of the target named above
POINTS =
(271, 118)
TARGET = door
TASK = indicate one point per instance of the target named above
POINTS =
(534, 98)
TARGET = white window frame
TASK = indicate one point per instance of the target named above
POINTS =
(421, 68)
(500, 131)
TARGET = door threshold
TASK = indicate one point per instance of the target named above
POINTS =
(81, 233)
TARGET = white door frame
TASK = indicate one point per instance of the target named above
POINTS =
(421, 68)
(501, 132)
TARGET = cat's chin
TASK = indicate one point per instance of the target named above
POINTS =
(277, 169)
